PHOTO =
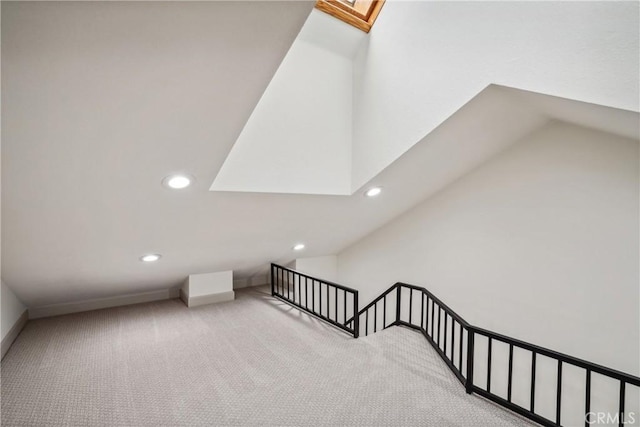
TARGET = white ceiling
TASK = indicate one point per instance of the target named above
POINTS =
(102, 100)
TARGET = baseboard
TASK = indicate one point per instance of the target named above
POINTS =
(208, 299)
(96, 304)
(14, 332)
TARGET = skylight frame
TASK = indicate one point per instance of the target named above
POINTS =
(359, 13)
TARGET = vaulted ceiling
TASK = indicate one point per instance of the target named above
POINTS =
(102, 100)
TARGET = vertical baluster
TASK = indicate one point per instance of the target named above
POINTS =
(320, 298)
(384, 311)
(356, 316)
(587, 399)
(366, 323)
(426, 328)
(422, 311)
(559, 392)
(344, 294)
(326, 304)
(621, 409)
(288, 285)
(272, 279)
(460, 352)
(335, 304)
(328, 301)
(444, 348)
(489, 366)
(375, 317)
(533, 380)
(433, 318)
(410, 305)
(439, 325)
(452, 341)
(510, 378)
(398, 301)
(313, 296)
(299, 286)
(306, 292)
(470, 360)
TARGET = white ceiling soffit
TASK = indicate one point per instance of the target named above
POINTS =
(495, 119)
(344, 105)
(606, 119)
(298, 138)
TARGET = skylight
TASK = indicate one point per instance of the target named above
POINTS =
(359, 13)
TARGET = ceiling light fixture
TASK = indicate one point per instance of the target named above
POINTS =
(150, 257)
(177, 182)
(298, 247)
(373, 192)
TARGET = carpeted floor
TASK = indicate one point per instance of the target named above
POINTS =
(253, 361)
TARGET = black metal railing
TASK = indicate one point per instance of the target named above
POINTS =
(373, 308)
(329, 301)
(458, 344)
(611, 408)
(419, 309)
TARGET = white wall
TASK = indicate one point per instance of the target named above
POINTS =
(298, 138)
(540, 243)
(424, 60)
(322, 267)
(12, 308)
(256, 280)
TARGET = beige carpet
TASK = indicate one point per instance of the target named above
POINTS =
(253, 361)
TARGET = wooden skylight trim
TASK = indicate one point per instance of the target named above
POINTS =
(361, 13)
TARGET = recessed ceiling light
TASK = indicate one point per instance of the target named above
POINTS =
(177, 182)
(150, 257)
(298, 247)
(373, 192)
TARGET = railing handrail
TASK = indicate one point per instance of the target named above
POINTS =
(296, 301)
(372, 303)
(438, 301)
(613, 373)
(467, 378)
(344, 288)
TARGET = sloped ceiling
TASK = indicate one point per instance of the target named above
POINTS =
(101, 101)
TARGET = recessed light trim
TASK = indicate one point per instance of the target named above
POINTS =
(298, 247)
(150, 257)
(373, 191)
(177, 182)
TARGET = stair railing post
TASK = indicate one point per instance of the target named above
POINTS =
(398, 302)
(470, 355)
(273, 289)
(356, 316)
